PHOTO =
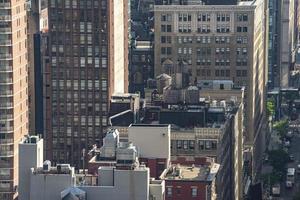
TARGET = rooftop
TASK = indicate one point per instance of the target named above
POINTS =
(30, 139)
(147, 125)
(48, 169)
(208, 2)
(190, 173)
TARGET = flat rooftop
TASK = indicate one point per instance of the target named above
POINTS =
(151, 125)
(187, 173)
(30, 139)
(65, 169)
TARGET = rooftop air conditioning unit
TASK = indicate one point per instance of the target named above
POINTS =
(34, 139)
(46, 166)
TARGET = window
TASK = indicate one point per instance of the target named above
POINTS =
(201, 144)
(238, 51)
(180, 17)
(218, 17)
(194, 192)
(179, 144)
(179, 50)
(207, 145)
(227, 17)
(185, 144)
(227, 73)
(242, 17)
(191, 144)
(244, 62)
(169, 191)
(169, 28)
(169, 50)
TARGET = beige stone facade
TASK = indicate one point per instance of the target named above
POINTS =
(218, 42)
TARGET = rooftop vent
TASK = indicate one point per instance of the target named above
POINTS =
(46, 165)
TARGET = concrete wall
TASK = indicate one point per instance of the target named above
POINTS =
(128, 185)
(151, 141)
(30, 155)
(157, 190)
(49, 186)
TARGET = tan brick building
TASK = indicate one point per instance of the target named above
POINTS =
(13, 92)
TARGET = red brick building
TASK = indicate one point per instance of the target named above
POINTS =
(190, 182)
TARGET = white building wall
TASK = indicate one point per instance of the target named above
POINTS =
(157, 190)
(30, 155)
(152, 141)
(49, 186)
(106, 176)
(128, 185)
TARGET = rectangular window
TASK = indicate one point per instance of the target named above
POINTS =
(179, 144)
(169, 28)
(192, 144)
(185, 144)
(169, 191)
(201, 144)
(194, 192)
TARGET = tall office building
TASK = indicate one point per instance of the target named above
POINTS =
(87, 62)
(13, 92)
(283, 35)
(218, 42)
(33, 28)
